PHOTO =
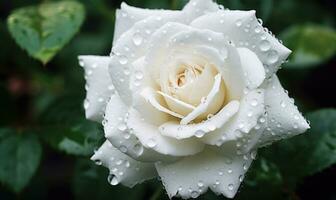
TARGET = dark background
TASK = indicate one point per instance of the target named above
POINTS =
(46, 101)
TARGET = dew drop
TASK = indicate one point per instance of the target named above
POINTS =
(123, 60)
(112, 179)
(241, 178)
(272, 57)
(230, 186)
(238, 23)
(262, 120)
(200, 184)
(138, 75)
(199, 133)
(81, 63)
(122, 127)
(283, 104)
(254, 102)
(137, 39)
(151, 143)
(127, 164)
(212, 127)
(138, 149)
(194, 194)
(123, 148)
(264, 45)
(98, 162)
(86, 104)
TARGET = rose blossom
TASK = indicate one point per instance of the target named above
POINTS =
(188, 96)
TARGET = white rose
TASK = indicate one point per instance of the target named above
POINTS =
(188, 96)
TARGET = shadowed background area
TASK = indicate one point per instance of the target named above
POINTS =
(46, 142)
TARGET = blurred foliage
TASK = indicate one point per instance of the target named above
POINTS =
(311, 44)
(45, 141)
(44, 29)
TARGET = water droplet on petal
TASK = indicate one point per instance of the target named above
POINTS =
(112, 179)
(137, 39)
(241, 178)
(272, 57)
(138, 75)
(122, 127)
(123, 60)
(98, 162)
(254, 102)
(230, 186)
(200, 184)
(86, 104)
(194, 194)
(123, 149)
(283, 104)
(264, 45)
(151, 143)
(199, 133)
(239, 23)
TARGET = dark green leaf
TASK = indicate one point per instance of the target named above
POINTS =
(44, 29)
(66, 129)
(310, 152)
(263, 181)
(19, 158)
(311, 45)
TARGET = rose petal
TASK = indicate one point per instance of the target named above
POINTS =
(193, 175)
(123, 169)
(177, 105)
(212, 99)
(150, 137)
(122, 137)
(251, 108)
(283, 119)
(99, 86)
(253, 69)
(127, 16)
(243, 28)
(196, 8)
(154, 99)
(176, 130)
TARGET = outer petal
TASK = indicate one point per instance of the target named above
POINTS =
(98, 85)
(282, 117)
(240, 126)
(193, 175)
(122, 137)
(151, 138)
(176, 130)
(254, 71)
(196, 8)
(243, 28)
(123, 169)
(127, 15)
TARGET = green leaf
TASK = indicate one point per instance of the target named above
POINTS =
(263, 181)
(66, 129)
(44, 29)
(311, 45)
(19, 158)
(90, 182)
(310, 152)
